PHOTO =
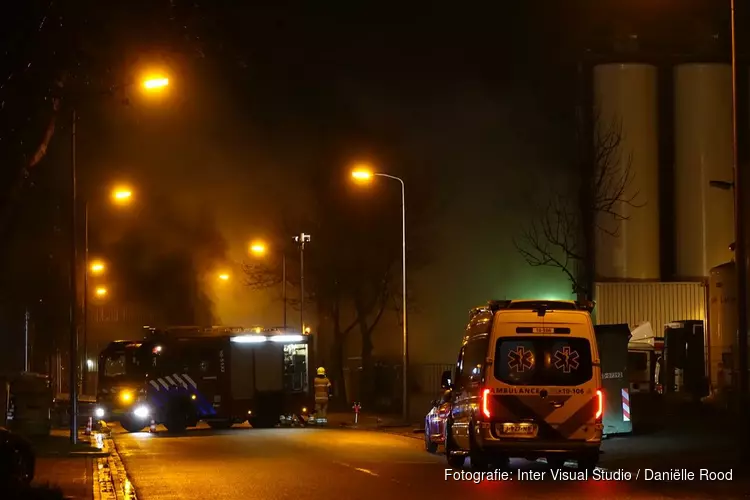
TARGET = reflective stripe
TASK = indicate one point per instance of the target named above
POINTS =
(190, 381)
(156, 386)
(182, 382)
(170, 380)
(625, 405)
(161, 381)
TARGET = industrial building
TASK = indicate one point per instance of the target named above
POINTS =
(687, 108)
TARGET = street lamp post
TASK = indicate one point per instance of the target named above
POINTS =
(302, 239)
(73, 347)
(150, 84)
(740, 256)
(84, 365)
(365, 174)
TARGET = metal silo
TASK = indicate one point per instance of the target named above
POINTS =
(625, 97)
(704, 216)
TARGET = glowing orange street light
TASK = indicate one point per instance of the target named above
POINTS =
(258, 248)
(122, 195)
(224, 277)
(97, 267)
(155, 83)
(101, 292)
(362, 173)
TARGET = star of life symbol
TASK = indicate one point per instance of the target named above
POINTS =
(566, 360)
(520, 359)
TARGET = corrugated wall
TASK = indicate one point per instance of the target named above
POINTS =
(657, 303)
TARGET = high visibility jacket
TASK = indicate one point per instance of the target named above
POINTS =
(322, 385)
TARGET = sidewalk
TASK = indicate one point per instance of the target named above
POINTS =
(393, 424)
(63, 466)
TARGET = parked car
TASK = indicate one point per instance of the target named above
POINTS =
(17, 460)
(434, 423)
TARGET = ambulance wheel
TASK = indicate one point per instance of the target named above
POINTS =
(479, 459)
(454, 460)
(220, 424)
(131, 425)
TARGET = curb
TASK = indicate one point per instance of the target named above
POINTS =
(109, 477)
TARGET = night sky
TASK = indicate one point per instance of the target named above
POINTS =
(267, 109)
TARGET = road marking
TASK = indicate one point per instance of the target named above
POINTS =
(366, 471)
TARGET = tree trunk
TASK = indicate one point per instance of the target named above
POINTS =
(367, 387)
(337, 353)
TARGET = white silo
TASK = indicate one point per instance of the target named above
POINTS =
(704, 216)
(625, 98)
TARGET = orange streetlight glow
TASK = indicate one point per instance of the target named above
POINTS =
(101, 292)
(97, 267)
(362, 173)
(224, 277)
(122, 195)
(155, 83)
(258, 248)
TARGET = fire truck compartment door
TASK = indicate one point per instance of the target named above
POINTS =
(613, 353)
(269, 367)
(243, 373)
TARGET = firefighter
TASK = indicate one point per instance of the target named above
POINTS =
(322, 392)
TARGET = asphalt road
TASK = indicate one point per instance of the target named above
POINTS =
(341, 464)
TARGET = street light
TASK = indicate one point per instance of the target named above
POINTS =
(303, 239)
(224, 277)
(122, 195)
(155, 83)
(101, 292)
(151, 83)
(96, 267)
(365, 173)
(259, 249)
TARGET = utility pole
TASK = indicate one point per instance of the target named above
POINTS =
(302, 239)
(84, 365)
(740, 250)
(73, 355)
(283, 284)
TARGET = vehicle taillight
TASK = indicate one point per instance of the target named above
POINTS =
(486, 403)
(599, 404)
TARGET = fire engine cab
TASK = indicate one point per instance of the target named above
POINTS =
(255, 375)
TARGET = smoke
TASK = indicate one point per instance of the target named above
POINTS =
(162, 257)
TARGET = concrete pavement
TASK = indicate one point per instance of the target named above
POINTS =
(341, 463)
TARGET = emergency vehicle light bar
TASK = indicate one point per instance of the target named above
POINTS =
(255, 339)
(249, 339)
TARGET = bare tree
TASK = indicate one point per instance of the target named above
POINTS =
(558, 237)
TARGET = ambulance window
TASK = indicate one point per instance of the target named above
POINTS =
(474, 354)
(550, 361)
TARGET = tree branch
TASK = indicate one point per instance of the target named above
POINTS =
(557, 238)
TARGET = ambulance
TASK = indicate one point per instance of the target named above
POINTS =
(527, 384)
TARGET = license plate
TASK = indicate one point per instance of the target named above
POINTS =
(517, 430)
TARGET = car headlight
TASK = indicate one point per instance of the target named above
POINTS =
(99, 412)
(141, 412)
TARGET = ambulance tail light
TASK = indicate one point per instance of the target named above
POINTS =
(599, 405)
(486, 404)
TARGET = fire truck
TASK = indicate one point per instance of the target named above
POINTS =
(256, 375)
